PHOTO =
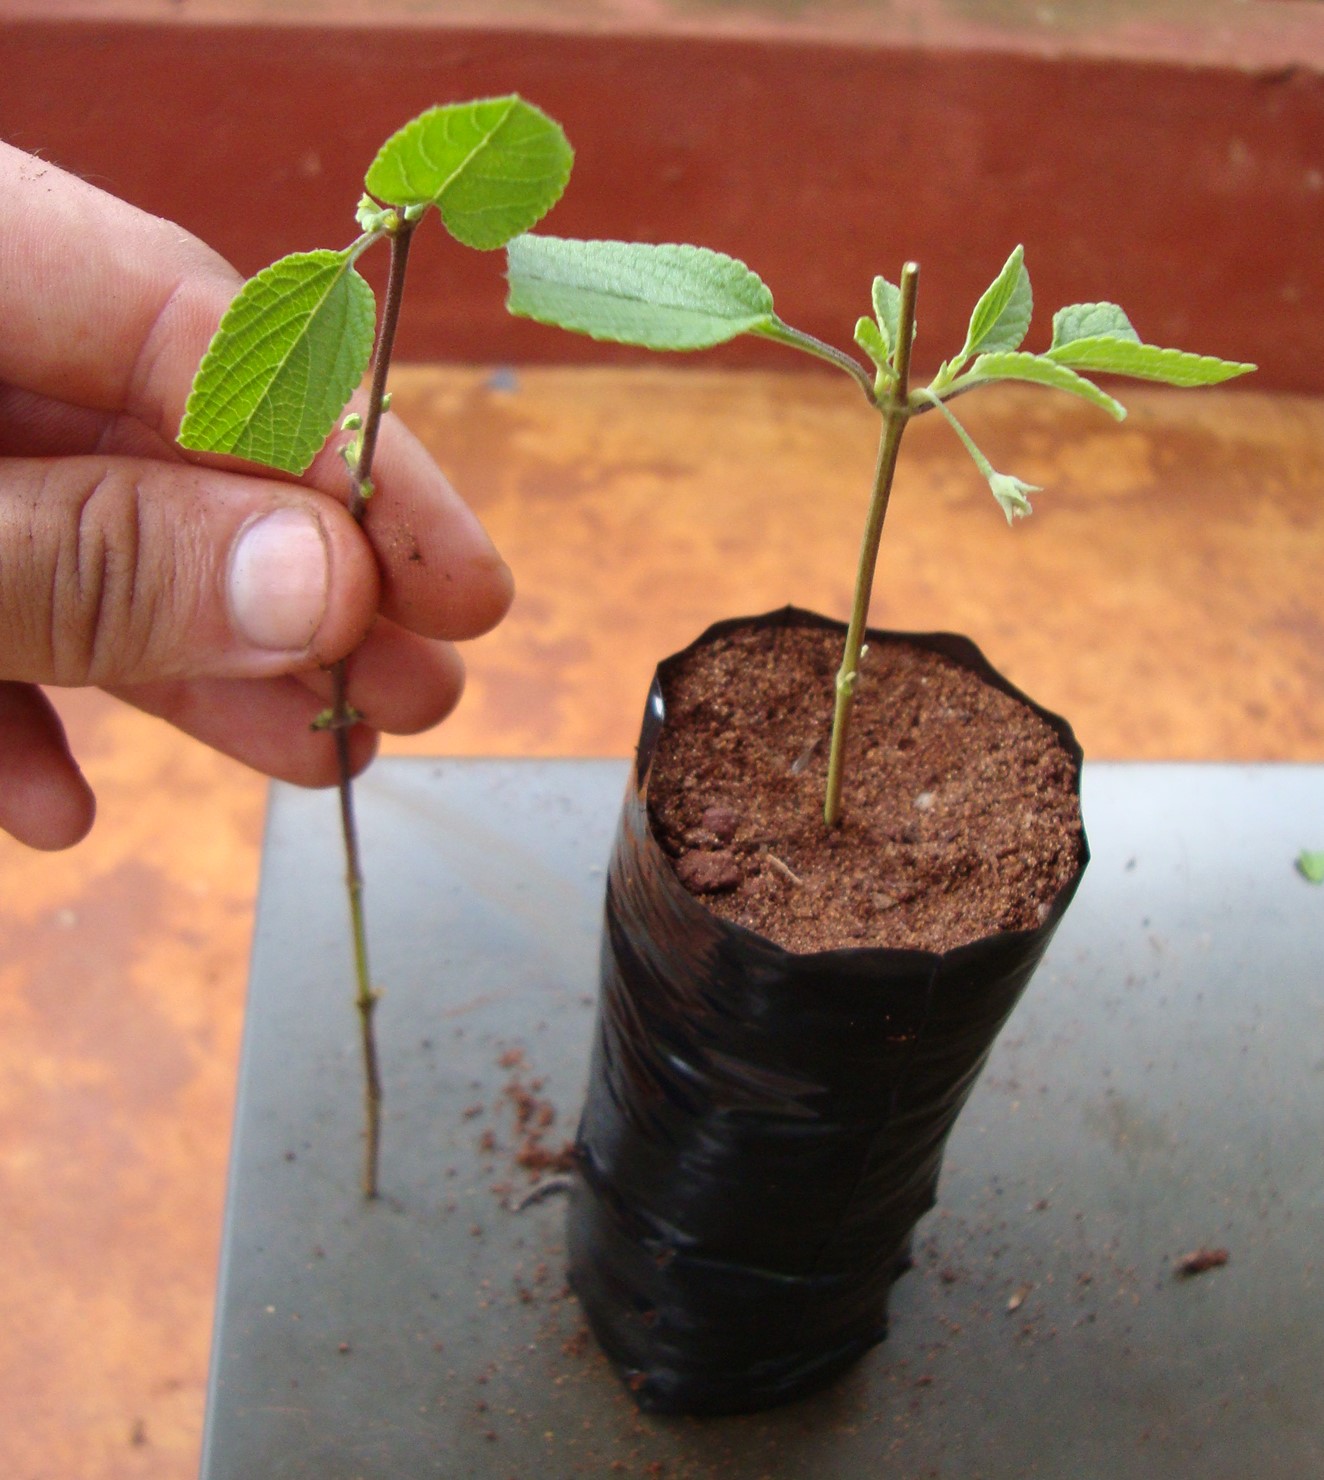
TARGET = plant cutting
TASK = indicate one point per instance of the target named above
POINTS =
(297, 340)
(841, 855)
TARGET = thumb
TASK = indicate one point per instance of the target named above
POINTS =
(128, 571)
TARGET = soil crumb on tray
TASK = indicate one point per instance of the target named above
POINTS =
(1200, 1261)
(960, 817)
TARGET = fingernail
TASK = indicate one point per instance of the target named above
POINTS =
(278, 580)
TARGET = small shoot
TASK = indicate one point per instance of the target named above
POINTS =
(296, 342)
(684, 298)
(1310, 865)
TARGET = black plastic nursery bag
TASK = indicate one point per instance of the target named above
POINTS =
(763, 1129)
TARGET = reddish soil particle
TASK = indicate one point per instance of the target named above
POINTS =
(721, 822)
(533, 1119)
(960, 810)
(1200, 1261)
(546, 1160)
(709, 873)
(576, 1344)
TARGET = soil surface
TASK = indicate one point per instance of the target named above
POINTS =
(960, 813)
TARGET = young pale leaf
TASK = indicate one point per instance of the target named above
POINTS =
(370, 216)
(887, 310)
(1002, 316)
(871, 341)
(661, 297)
(1310, 865)
(1042, 371)
(1091, 321)
(1109, 355)
(493, 168)
(288, 354)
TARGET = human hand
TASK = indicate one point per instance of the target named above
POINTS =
(194, 588)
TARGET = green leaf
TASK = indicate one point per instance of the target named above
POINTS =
(1091, 321)
(288, 354)
(1106, 354)
(1041, 371)
(1310, 865)
(493, 168)
(1099, 337)
(1002, 316)
(661, 297)
(870, 340)
(887, 310)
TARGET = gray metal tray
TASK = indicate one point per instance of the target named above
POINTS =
(1159, 1090)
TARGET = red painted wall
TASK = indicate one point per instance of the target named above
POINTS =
(1192, 194)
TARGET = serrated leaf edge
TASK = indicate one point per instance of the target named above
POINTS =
(205, 409)
(417, 128)
(1191, 370)
(1084, 308)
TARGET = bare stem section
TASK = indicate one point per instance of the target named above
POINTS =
(896, 413)
(343, 717)
(366, 1000)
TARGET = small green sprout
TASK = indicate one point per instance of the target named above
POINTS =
(1310, 865)
(676, 297)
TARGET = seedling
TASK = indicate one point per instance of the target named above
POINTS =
(296, 342)
(674, 297)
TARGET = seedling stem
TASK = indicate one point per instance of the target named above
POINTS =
(897, 412)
